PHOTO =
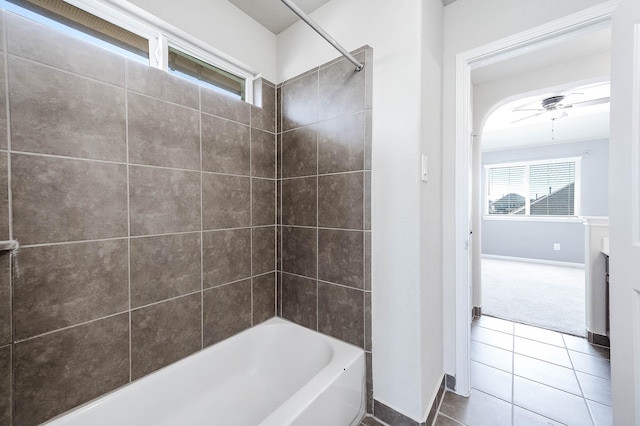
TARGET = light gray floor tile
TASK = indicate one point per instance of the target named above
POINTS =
(602, 414)
(550, 402)
(580, 344)
(491, 380)
(595, 388)
(492, 337)
(492, 356)
(479, 409)
(591, 364)
(546, 373)
(494, 323)
(522, 417)
(542, 351)
(539, 334)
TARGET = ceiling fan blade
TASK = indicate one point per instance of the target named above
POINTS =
(561, 116)
(589, 103)
(530, 116)
(528, 109)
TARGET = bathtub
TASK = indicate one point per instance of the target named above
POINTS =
(274, 374)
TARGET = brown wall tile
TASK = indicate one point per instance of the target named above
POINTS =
(299, 251)
(300, 102)
(61, 370)
(226, 310)
(299, 300)
(226, 256)
(341, 89)
(341, 257)
(63, 285)
(367, 260)
(279, 108)
(53, 112)
(263, 154)
(341, 144)
(263, 117)
(163, 134)
(5, 299)
(264, 250)
(368, 139)
(263, 203)
(299, 201)
(164, 333)
(163, 200)
(43, 44)
(340, 201)
(4, 196)
(164, 267)
(367, 200)
(367, 321)
(225, 106)
(225, 146)
(5, 385)
(264, 288)
(56, 199)
(369, 381)
(161, 85)
(299, 152)
(341, 313)
(3, 104)
(226, 201)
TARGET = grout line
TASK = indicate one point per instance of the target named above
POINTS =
(126, 311)
(324, 120)
(126, 141)
(322, 228)
(251, 211)
(317, 72)
(201, 225)
(326, 174)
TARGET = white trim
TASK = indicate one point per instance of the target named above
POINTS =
(538, 261)
(635, 144)
(160, 34)
(555, 30)
(524, 218)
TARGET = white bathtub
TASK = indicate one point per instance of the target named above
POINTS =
(274, 374)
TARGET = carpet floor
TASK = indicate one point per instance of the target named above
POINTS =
(546, 296)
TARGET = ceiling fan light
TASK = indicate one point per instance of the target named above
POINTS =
(556, 114)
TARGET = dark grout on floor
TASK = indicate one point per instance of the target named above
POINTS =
(524, 375)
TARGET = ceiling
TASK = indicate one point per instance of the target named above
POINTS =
(276, 17)
(581, 124)
(273, 14)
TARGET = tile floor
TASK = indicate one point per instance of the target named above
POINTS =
(523, 375)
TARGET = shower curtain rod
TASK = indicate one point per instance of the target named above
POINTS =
(295, 9)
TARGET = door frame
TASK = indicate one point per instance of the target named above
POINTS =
(533, 39)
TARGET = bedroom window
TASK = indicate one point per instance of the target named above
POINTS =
(535, 188)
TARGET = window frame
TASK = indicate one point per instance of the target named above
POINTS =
(161, 35)
(528, 217)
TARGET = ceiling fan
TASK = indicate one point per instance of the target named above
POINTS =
(556, 106)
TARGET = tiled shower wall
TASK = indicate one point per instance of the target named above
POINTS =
(324, 215)
(145, 210)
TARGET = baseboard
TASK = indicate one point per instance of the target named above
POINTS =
(450, 382)
(541, 261)
(392, 417)
(598, 339)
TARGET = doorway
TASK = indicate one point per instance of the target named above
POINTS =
(535, 39)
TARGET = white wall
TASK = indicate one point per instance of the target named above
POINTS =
(469, 24)
(224, 27)
(407, 320)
